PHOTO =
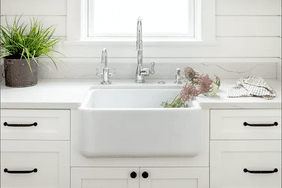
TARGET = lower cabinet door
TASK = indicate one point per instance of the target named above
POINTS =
(245, 164)
(35, 164)
(174, 177)
(105, 178)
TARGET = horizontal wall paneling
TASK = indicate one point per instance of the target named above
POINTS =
(248, 26)
(248, 7)
(58, 21)
(34, 7)
(227, 47)
(246, 30)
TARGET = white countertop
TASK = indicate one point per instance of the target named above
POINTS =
(69, 93)
(243, 102)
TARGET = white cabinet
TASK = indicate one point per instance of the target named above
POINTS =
(174, 177)
(30, 164)
(35, 124)
(246, 124)
(35, 148)
(139, 177)
(245, 164)
(245, 148)
(104, 178)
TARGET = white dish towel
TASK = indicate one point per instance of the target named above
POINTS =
(251, 86)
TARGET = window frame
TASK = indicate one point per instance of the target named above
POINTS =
(77, 28)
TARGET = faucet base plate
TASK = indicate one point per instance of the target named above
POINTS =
(139, 81)
(106, 83)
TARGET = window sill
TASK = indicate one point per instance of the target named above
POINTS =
(145, 43)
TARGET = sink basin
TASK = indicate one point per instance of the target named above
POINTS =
(130, 122)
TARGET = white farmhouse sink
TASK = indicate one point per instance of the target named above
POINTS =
(128, 122)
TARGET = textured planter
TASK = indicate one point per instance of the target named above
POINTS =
(18, 74)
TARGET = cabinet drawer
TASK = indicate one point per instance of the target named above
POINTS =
(50, 124)
(154, 177)
(229, 159)
(50, 159)
(229, 124)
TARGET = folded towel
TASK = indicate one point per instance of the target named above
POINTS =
(251, 86)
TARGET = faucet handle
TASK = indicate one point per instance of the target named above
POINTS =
(98, 74)
(113, 74)
(152, 69)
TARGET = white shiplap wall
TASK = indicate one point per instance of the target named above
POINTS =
(247, 31)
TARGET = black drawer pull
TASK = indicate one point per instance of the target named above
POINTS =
(20, 171)
(20, 125)
(261, 171)
(265, 125)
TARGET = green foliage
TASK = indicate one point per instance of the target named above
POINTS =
(176, 103)
(213, 90)
(216, 81)
(215, 87)
(19, 43)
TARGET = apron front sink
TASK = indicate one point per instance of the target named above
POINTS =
(125, 122)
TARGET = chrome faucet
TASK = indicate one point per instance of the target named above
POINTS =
(140, 71)
(106, 72)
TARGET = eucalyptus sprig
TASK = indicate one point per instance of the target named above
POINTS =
(18, 43)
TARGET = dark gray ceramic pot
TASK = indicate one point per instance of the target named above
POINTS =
(18, 74)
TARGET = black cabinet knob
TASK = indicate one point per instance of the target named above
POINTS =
(145, 175)
(133, 174)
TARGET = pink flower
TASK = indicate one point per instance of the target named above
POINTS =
(205, 84)
(188, 92)
(190, 74)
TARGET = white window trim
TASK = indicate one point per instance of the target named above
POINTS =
(77, 30)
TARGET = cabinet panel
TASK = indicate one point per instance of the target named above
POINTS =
(50, 124)
(229, 124)
(50, 159)
(104, 178)
(175, 178)
(229, 159)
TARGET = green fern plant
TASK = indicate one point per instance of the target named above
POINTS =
(18, 43)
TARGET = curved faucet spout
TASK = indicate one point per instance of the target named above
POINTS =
(104, 57)
(139, 43)
(140, 71)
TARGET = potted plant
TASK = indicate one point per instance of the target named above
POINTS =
(21, 47)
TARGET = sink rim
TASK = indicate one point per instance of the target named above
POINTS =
(195, 103)
(195, 106)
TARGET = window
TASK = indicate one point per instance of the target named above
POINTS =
(185, 22)
(112, 18)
